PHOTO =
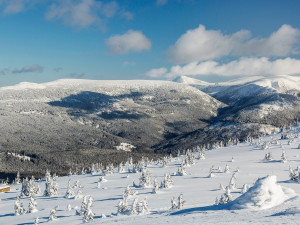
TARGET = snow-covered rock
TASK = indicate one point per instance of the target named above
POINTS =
(265, 194)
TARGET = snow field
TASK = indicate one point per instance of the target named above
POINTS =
(199, 191)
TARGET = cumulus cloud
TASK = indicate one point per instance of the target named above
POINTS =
(77, 13)
(131, 41)
(29, 69)
(242, 67)
(201, 44)
(155, 73)
(84, 13)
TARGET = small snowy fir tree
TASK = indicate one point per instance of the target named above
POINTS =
(134, 207)
(123, 206)
(202, 154)
(32, 207)
(129, 192)
(226, 197)
(52, 215)
(173, 203)
(232, 182)
(211, 172)
(69, 208)
(88, 214)
(268, 156)
(18, 179)
(227, 169)
(181, 171)
(283, 157)
(79, 192)
(245, 188)
(155, 186)
(36, 221)
(180, 201)
(70, 192)
(217, 201)
(167, 182)
(145, 179)
(143, 207)
(84, 205)
(19, 209)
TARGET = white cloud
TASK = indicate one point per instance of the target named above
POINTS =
(29, 69)
(110, 9)
(16, 6)
(77, 13)
(201, 44)
(157, 72)
(132, 40)
(84, 13)
(242, 67)
(127, 15)
(161, 2)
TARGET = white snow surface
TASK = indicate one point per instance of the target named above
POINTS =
(265, 194)
(276, 202)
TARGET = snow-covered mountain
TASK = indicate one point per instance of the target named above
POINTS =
(84, 120)
(255, 176)
(256, 105)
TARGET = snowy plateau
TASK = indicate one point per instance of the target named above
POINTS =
(257, 176)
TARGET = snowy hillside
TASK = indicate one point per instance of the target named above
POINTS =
(87, 119)
(270, 200)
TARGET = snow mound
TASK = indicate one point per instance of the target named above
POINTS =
(265, 194)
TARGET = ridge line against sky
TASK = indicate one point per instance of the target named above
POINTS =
(153, 39)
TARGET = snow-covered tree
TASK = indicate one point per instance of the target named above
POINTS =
(123, 206)
(226, 196)
(52, 215)
(181, 171)
(232, 182)
(70, 192)
(134, 207)
(19, 209)
(51, 186)
(129, 192)
(18, 179)
(145, 179)
(245, 188)
(143, 207)
(283, 157)
(69, 208)
(36, 221)
(155, 186)
(79, 192)
(167, 182)
(88, 214)
(227, 169)
(84, 205)
(180, 201)
(173, 203)
(268, 156)
(211, 172)
(32, 207)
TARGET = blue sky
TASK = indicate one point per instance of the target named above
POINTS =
(147, 39)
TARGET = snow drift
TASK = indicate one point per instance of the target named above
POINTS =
(265, 194)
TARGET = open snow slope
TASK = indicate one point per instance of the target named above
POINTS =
(198, 189)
